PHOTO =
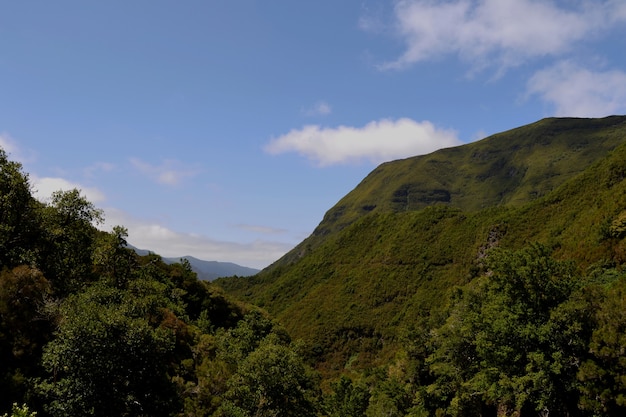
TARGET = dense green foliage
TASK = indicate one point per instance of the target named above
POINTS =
(509, 168)
(20, 411)
(376, 281)
(496, 288)
(89, 328)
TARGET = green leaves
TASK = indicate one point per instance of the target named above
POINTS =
(18, 221)
(271, 381)
(270, 378)
(529, 335)
(348, 399)
(499, 341)
(68, 240)
(603, 375)
(531, 280)
(89, 328)
(20, 411)
(107, 358)
(24, 329)
(250, 370)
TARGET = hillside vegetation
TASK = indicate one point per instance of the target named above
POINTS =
(388, 268)
(509, 168)
(90, 328)
(479, 281)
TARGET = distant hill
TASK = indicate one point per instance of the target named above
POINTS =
(208, 270)
(384, 259)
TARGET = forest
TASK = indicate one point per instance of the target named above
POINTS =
(536, 327)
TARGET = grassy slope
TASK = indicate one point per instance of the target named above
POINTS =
(512, 167)
(375, 274)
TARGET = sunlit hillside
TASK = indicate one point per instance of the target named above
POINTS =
(388, 258)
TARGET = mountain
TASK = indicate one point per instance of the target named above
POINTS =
(384, 260)
(509, 168)
(208, 270)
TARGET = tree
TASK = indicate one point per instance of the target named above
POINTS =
(603, 375)
(391, 398)
(348, 399)
(20, 411)
(108, 358)
(18, 223)
(272, 381)
(114, 261)
(68, 223)
(237, 343)
(498, 345)
(24, 329)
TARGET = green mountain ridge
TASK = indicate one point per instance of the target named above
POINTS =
(511, 167)
(385, 257)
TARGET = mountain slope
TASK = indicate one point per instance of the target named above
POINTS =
(367, 276)
(508, 168)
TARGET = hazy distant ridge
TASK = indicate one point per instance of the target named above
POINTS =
(208, 270)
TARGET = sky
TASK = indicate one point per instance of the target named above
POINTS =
(225, 129)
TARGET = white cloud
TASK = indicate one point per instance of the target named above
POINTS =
(13, 150)
(7, 143)
(319, 109)
(503, 33)
(481, 134)
(169, 172)
(373, 16)
(98, 167)
(579, 92)
(261, 229)
(377, 141)
(168, 243)
(44, 187)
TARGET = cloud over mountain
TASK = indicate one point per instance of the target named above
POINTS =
(378, 141)
(581, 92)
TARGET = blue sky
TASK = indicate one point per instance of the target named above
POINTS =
(226, 129)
